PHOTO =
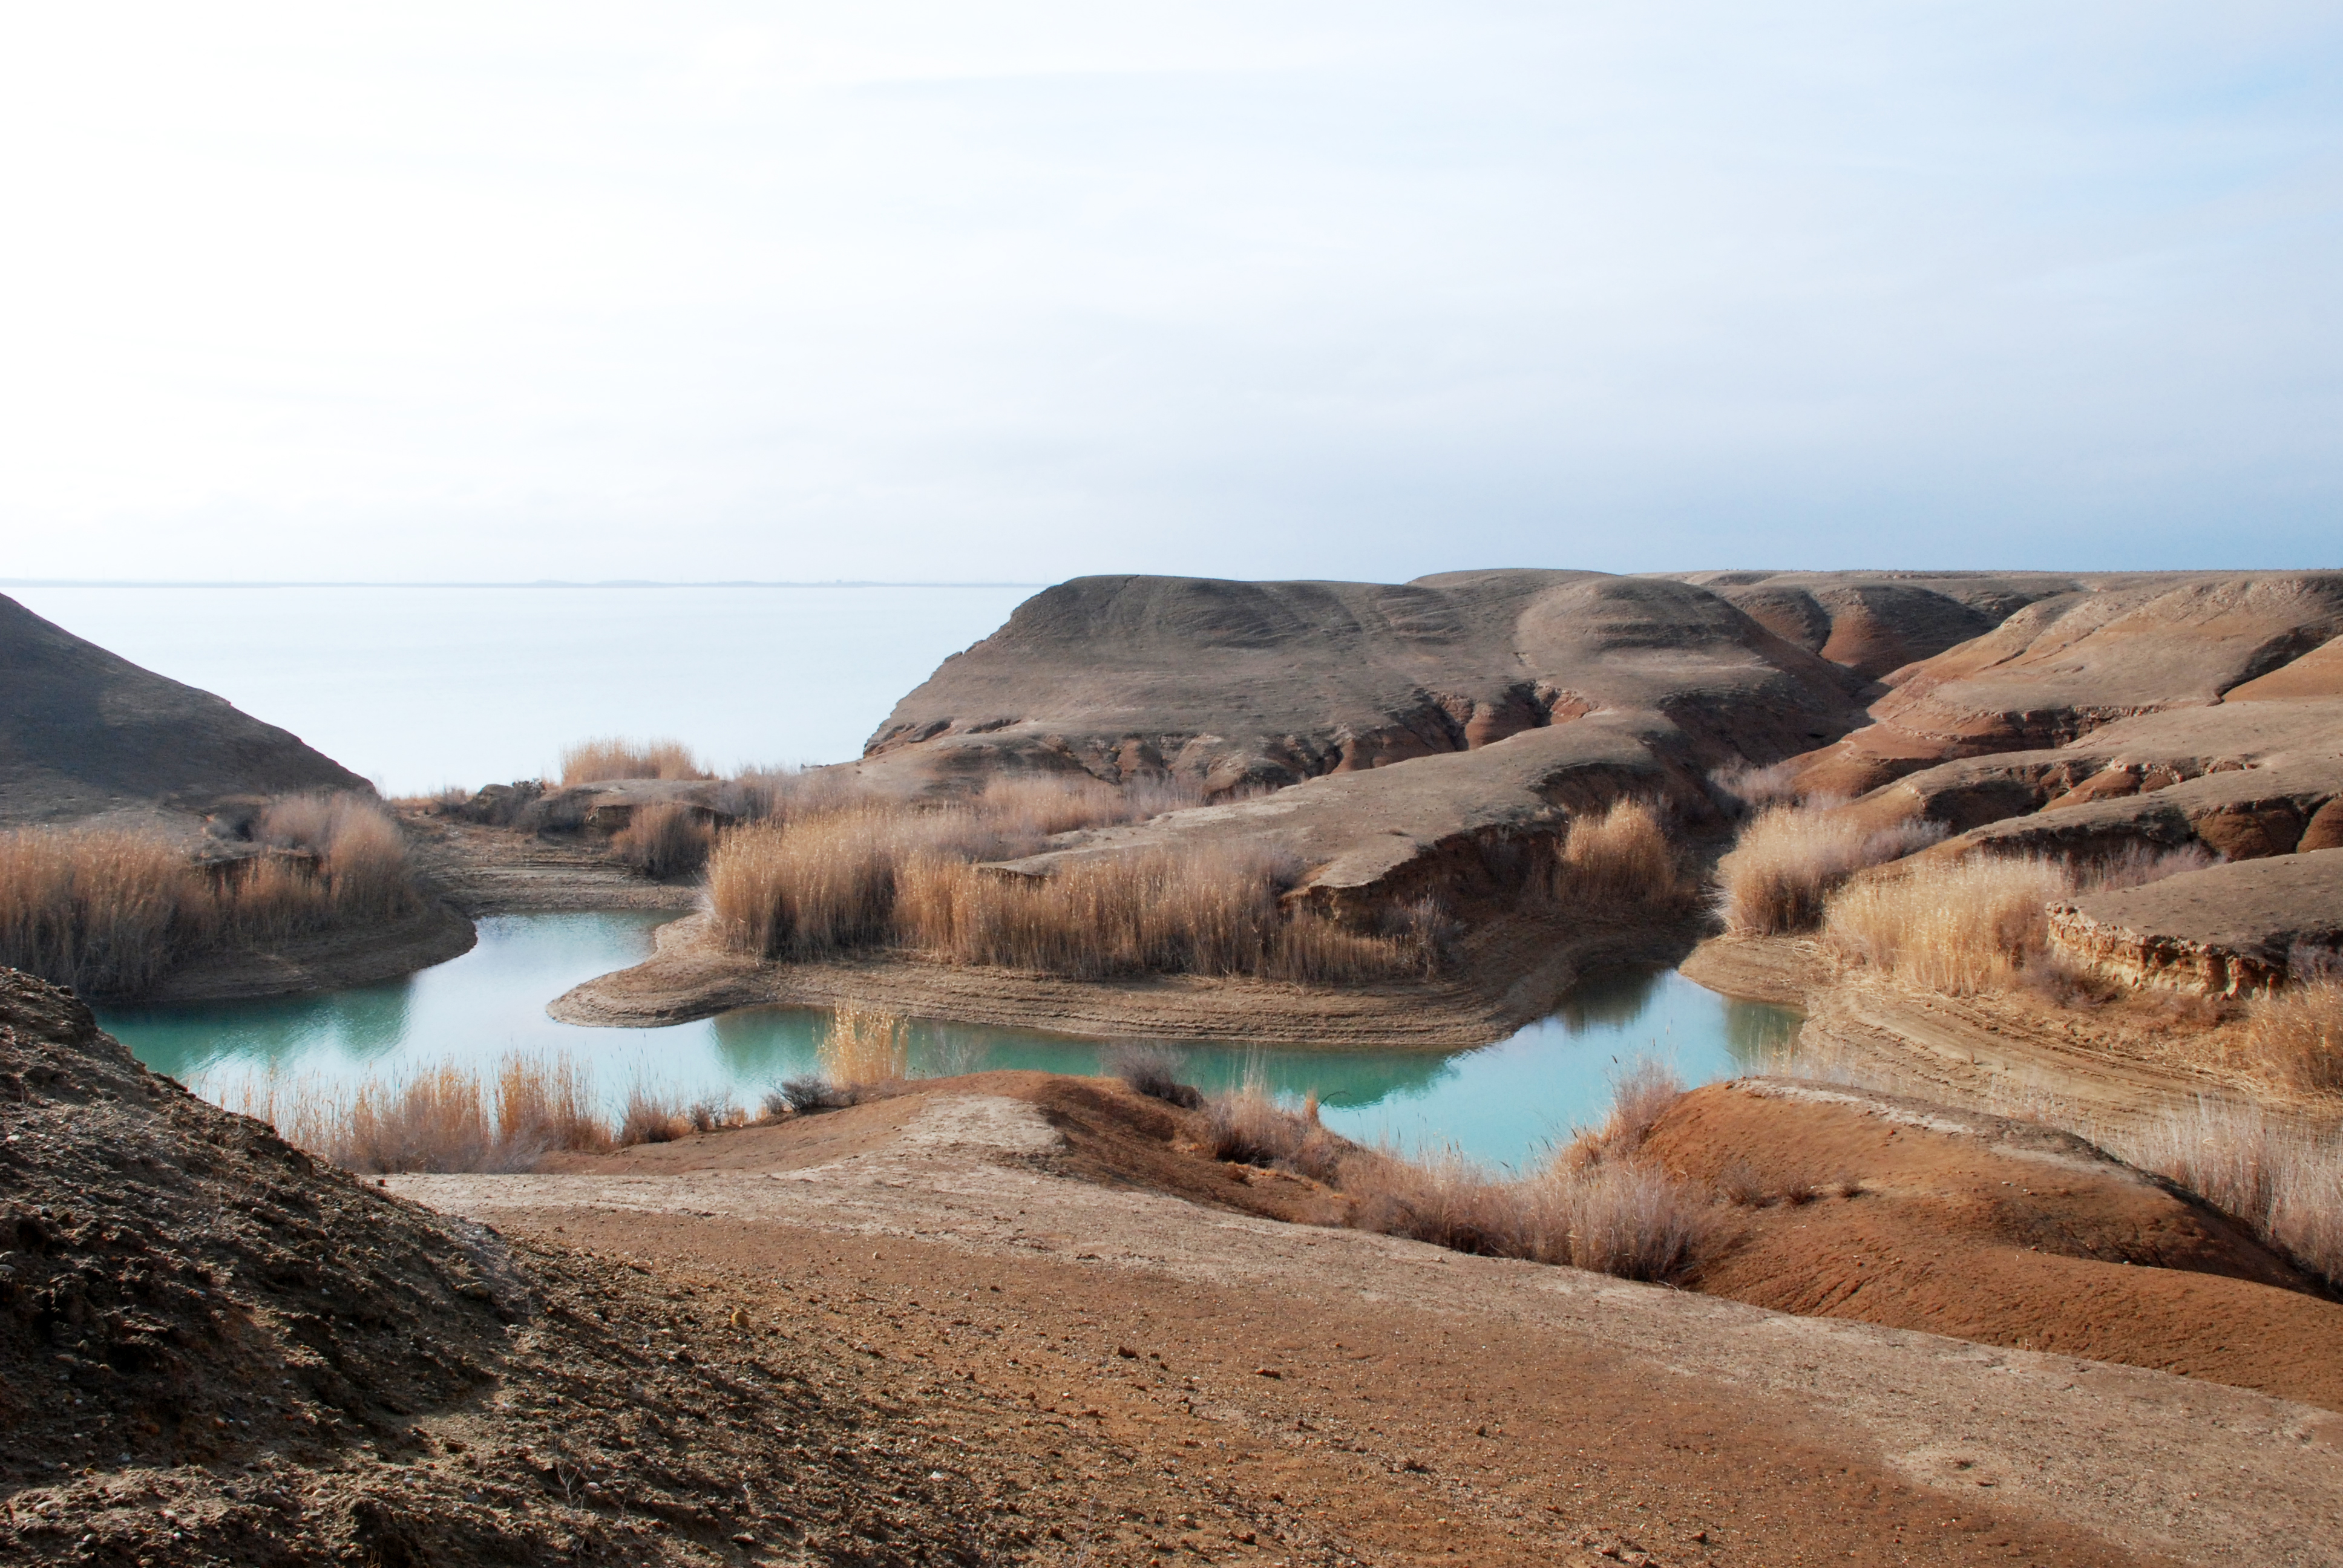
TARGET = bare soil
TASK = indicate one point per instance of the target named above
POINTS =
(994, 1247)
(1856, 1204)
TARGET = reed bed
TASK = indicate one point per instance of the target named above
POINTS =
(2294, 1032)
(1789, 860)
(1959, 927)
(609, 756)
(111, 912)
(813, 879)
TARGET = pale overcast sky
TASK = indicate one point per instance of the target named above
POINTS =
(1017, 290)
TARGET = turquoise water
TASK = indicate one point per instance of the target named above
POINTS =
(1501, 1104)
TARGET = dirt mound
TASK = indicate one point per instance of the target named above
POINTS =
(213, 1349)
(1856, 1204)
(83, 731)
(1873, 625)
(1108, 1135)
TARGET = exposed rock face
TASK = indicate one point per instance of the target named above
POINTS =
(2223, 931)
(85, 733)
(2062, 667)
(1874, 625)
(1424, 729)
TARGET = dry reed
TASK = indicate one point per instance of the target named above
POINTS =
(865, 1047)
(608, 757)
(808, 881)
(663, 839)
(1619, 862)
(443, 1118)
(1789, 859)
(112, 912)
(2294, 1033)
(1958, 927)
(102, 912)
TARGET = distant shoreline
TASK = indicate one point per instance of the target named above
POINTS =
(536, 583)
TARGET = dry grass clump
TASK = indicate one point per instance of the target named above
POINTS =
(608, 757)
(111, 912)
(1789, 860)
(1153, 1071)
(99, 910)
(1620, 860)
(2282, 1179)
(865, 1046)
(663, 839)
(1958, 927)
(2295, 1031)
(1754, 787)
(806, 882)
(1249, 1127)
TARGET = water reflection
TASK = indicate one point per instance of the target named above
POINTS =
(1504, 1103)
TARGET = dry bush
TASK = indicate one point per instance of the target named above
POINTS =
(609, 756)
(1958, 927)
(2277, 1176)
(1618, 862)
(865, 1047)
(798, 888)
(1629, 1219)
(355, 853)
(1788, 860)
(103, 911)
(663, 839)
(1753, 787)
(1153, 1071)
(1616, 1217)
(2294, 1033)
(1642, 1092)
(1248, 1126)
(1309, 948)
(652, 1115)
(546, 1103)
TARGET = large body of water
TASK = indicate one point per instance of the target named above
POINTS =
(1503, 1103)
(416, 687)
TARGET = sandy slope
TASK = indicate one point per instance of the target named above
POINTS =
(1771, 1437)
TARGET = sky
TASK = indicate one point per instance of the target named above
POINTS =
(1011, 291)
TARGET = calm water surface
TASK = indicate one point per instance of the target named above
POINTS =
(415, 688)
(1501, 1104)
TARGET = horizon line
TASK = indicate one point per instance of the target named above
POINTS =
(530, 583)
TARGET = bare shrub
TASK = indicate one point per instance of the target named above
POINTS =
(1619, 862)
(2279, 1177)
(1153, 1071)
(865, 1046)
(800, 887)
(1629, 1219)
(546, 1103)
(2294, 1033)
(608, 756)
(103, 911)
(1959, 927)
(806, 1095)
(1752, 787)
(1249, 1127)
(652, 1116)
(355, 851)
(1788, 860)
(663, 839)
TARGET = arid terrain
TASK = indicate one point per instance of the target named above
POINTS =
(2023, 1256)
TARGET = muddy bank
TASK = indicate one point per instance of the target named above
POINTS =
(1510, 975)
(327, 960)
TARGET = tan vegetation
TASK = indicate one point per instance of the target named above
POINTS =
(1789, 859)
(608, 757)
(664, 839)
(112, 912)
(1596, 1205)
(1619, 861)
(865, 1047)
(824, 875)
(507, 1116)
(1958, 927)
(2295, 1033)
